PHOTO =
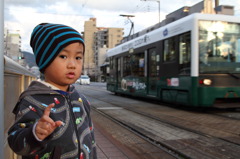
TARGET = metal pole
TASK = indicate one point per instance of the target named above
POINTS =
(216, 3)
(132, 24)
(159, 10)
(1, 79)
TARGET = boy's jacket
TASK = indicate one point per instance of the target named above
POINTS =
(71, 108)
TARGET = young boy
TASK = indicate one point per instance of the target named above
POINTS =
(52, 117)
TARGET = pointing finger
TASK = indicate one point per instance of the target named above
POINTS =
(46, 119)
(47, 110)
(58, 123)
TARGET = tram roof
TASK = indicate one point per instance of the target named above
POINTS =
(177, 27)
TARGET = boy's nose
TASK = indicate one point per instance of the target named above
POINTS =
(71, 64)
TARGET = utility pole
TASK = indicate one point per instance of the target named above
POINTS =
(2, 79)
(132, 24)
(216, 3)
(158, 1)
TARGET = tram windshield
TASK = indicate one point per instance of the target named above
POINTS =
(219, 47)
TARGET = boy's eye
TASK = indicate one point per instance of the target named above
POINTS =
(63, 56)
(78, 58)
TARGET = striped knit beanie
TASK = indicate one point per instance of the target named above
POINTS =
(47, 40)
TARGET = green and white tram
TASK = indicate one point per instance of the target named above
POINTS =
(194, 61)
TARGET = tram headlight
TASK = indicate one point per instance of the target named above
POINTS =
(206, 82)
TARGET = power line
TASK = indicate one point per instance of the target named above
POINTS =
(60, 14)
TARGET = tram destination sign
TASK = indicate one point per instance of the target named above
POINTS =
(136, 43)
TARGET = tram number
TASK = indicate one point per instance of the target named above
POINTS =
(173, 82)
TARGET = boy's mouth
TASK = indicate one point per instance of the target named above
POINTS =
(70, 75)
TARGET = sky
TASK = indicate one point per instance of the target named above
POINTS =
(22, 16)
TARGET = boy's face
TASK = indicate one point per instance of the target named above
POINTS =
(66, 68)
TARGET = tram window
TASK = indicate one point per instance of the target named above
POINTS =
(153, 63)
(219, 49)
(184, 53)
(169, 50)
(126, 66)
(119, 67)
(111, 62)
(137, 62)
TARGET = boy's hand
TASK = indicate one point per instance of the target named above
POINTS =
(46, 125)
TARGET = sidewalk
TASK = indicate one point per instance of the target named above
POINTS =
(106, 149)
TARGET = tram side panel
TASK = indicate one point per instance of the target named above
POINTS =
(158, 74)
(179, 89)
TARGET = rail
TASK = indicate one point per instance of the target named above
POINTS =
(16, 80)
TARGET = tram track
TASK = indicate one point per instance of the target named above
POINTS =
(163, 145)
(165, 148)
(176, 125)
(222, 116)
(229, 114)
(201, 135)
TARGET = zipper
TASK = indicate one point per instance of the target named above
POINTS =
(72, 116)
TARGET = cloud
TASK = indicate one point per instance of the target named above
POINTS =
(119, 5)
(81, 5)
(29, 3)
(24, 15)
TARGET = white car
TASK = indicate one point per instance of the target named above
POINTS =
(84, 79)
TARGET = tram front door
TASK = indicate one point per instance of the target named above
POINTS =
(153, 72)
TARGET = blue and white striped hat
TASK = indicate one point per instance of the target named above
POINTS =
(47, 40)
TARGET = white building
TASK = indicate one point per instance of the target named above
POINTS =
(12, 46)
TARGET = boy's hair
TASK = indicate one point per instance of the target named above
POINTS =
(47, 40)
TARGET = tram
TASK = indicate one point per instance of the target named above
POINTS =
(194, 61)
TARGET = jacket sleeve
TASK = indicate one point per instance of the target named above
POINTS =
(20, 136)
